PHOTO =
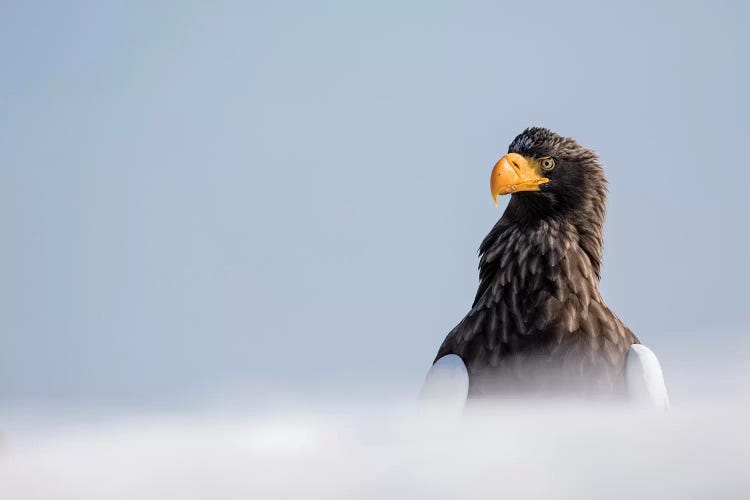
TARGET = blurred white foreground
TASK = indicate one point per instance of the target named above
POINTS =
(526, 451)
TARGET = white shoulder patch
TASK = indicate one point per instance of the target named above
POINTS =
(645, 379)
(446, 386)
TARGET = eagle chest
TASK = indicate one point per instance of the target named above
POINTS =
(538, 322)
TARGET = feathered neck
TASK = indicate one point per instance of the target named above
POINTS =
(532, 239)
(582, 220)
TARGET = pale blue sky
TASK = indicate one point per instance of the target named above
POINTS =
(195, 196)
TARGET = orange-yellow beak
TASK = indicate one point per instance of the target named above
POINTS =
(514, 173)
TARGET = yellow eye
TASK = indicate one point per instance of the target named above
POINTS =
(547, 164)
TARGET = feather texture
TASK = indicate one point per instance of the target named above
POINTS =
(538, 324)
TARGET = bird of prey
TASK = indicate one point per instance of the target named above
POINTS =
(538, 326)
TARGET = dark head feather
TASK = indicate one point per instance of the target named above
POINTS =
(576, 192)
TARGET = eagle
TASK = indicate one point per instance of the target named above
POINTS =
(538, 326)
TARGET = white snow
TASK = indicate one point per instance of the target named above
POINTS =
(522, 451)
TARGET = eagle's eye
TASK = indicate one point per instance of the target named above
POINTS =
(547, 164)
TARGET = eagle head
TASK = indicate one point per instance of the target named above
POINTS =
(551, 175)
(553, 178)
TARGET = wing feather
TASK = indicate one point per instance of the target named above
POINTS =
(645, 379)
(446, 386)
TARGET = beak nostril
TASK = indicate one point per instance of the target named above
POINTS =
(516, 166)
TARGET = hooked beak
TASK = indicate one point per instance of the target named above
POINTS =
(514, 173)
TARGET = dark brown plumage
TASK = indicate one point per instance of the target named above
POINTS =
(538, 324)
